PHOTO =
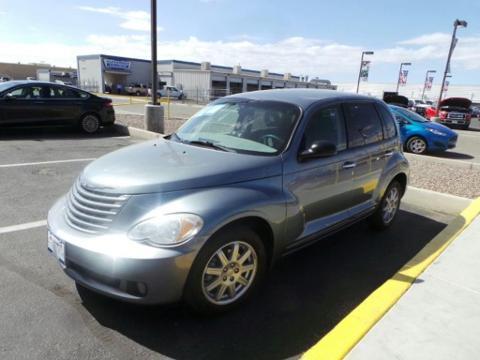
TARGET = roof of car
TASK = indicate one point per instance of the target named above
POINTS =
(37, 82)
(301, 97)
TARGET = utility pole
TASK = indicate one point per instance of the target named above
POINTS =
(361, 66)
(425, 83)
(153, 18)
(400, 72)
(456, 23)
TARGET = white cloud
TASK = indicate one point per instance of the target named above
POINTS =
(297, 55)
(137, 20)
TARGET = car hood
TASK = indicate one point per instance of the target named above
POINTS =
(456, 102)
(161, 165)
(439, 127)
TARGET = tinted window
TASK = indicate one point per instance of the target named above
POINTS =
(363, 124)
(64, 93)
(389, 127)
(326, 124)
(28, 92)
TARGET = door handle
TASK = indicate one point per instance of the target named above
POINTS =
(349, 165)
(388, 153)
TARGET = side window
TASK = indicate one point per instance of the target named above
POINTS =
(390, 130)
(326, 124)
(363, 124)
(19, 93)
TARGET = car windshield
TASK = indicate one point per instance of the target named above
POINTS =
(244, 126)
(5, 86)
(411, 115)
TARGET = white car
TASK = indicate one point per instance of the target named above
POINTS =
(171, 92)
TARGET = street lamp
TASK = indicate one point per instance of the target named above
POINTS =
(426, 79)
(400, 72)
(456, 23)
(361, 65)
(153, 29)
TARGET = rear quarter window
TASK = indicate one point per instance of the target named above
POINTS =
(389, 127)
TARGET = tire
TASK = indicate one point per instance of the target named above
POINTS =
(387, 210)
(221, 290)
(90, 123)
(137, 93)
(465, 127)
(417, 145)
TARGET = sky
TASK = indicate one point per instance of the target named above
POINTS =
(317, 38)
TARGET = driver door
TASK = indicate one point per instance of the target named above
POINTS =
(24, 105)
(322, 186)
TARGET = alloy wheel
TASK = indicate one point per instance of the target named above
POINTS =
(229, 273)
(90, 124)
(390, 205)
(417, 146)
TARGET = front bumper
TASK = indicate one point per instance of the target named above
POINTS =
(442, 143)
(115, 266)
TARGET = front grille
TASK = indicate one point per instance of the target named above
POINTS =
(455, 116)
(92, 211)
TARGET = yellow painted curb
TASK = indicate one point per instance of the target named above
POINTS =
(348, 332)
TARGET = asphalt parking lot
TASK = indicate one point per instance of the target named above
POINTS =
(44, 317)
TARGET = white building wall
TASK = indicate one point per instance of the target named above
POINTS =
(90, 74)
(195, 84)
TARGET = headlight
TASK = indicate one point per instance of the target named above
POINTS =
(166, 230)
(436, 132)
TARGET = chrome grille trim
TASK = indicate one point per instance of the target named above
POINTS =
(92, 211)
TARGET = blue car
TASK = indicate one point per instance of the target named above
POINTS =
(420, 135)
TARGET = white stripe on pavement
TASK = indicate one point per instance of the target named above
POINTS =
(45, 162)
(25, 226)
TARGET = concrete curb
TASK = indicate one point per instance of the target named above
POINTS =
(137, 133)
(348, 332)
(453, 162)
(436, 201)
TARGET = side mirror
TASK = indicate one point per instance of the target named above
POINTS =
(318, 149)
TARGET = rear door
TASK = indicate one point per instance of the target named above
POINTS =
(66, 104)
(365, 141)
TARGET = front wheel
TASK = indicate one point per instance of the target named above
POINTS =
(90, 123)
(417, 145)
(227, 271)
(383, 217)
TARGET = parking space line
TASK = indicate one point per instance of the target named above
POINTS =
(20, 227)
(46, 162)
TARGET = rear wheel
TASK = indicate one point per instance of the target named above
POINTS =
(417, 145)
(383, 217)
(227, 271)
(90, 123)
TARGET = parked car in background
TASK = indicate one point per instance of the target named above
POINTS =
(137, 89)
(420, 107)
(171, 92)
(452, 112)
(4, 78)
(44, 103)
(420, 135)
(475, 111)
(203, 213)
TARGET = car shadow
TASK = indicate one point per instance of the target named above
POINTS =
(305, 296)
(40, 133)
(452, 155)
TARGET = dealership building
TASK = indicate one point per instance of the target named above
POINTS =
(197, 80)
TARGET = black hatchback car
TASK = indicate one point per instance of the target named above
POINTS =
(43, 103)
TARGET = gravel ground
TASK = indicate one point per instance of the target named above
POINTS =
(130, 120)
(443, 177)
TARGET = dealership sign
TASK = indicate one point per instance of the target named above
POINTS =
(119, 65)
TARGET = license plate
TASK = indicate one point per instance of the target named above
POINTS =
(56, 247)
(454, 121)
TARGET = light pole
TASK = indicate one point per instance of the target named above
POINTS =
(400, 72)
(456, 23)
(361, 65)
(153, 29)
(426, 79)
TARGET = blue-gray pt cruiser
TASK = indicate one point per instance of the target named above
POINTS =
(203, 213)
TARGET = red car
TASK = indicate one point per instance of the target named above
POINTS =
(453, 112)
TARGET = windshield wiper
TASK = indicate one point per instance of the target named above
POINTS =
(210, 144)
